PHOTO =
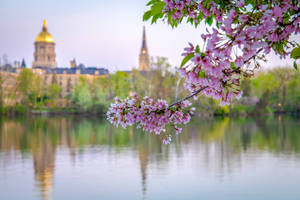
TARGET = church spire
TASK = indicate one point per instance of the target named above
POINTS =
(144, 59)
(144, 44)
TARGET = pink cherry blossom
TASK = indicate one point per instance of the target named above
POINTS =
(246, 34)
(197, 59)
(150, 115)
(240, 3)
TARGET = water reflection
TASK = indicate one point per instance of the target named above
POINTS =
(219, 145)
(44, 162)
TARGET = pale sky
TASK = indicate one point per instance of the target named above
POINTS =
(103, 33)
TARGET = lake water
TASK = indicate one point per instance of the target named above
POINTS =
(64, 158)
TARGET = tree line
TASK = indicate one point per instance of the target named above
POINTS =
(276, 90)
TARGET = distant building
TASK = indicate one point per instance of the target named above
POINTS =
(144, 59)
(16, 64)
(44, 53)
(45, 66)
(73, 63)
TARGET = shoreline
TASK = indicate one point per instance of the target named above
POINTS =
(50, 113)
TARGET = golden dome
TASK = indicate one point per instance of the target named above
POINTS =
(44, 36)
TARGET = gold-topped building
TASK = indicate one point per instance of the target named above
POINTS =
(44, 54)
(144, 58)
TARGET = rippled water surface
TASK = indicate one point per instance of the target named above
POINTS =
(86, 158)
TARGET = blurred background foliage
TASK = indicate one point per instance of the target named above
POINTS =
(275, 90)
(273, 134)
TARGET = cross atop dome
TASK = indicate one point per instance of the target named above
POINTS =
(44, 36)
(45, 25)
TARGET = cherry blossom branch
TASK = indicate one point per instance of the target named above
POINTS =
(252, 57)
(240, 38)
(188, 97)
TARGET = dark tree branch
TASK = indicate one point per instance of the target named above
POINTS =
(252, 57)
(188, 97)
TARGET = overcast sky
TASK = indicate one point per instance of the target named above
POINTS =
(104, 33)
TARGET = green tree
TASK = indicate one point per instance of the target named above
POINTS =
(36, 90)
(53, 92)
(120, 84)
(246, 87)
(283, 75)
(164, 83)
(82, 95)
(101, 92)
(139, 83)
(25, 84)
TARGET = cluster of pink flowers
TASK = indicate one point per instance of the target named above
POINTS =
(244, 37)
(150, 115)
(192, 8)
(246, 33)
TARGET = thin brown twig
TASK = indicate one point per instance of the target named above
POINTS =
(188, 97)
(252, 57)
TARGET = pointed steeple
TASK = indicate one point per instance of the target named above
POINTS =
(144, 44)
(144, 59)
(23, 65)
(144, 161)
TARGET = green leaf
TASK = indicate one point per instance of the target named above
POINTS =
(218, 25)
(232, 65)
(147, 15)
(151, 2)
(197, 50)
(209, 20)
(202, 74)
(206, 3)
(186, 59)
(157, 7)
(296, 53)
(295, 65)
(154, 19)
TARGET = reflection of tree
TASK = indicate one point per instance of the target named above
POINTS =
(216, 131)
(75, 133)
(279, 135)
(265, 130)
(219, 144)
(283, 139)
(247, 130)
(221, 135)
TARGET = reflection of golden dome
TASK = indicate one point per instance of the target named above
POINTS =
(44, 36)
